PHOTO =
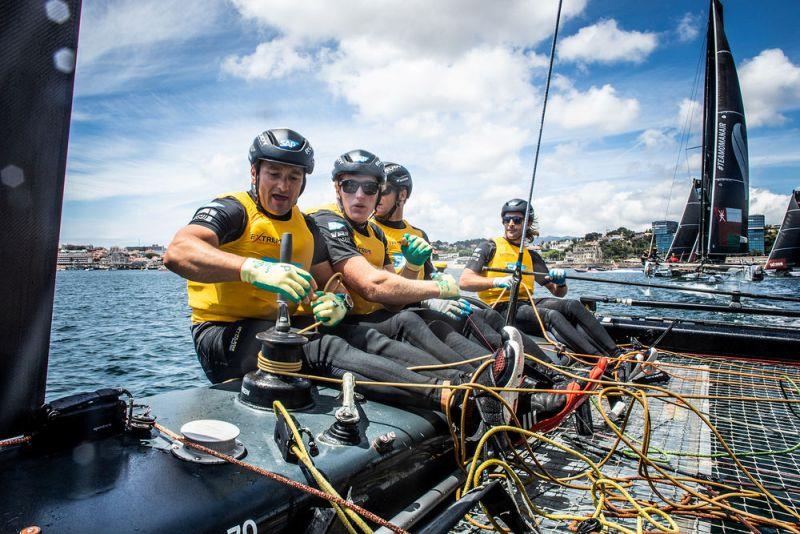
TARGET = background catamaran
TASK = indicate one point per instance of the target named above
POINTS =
(784, 258)
(714, 221)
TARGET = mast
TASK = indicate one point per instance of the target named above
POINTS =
(726, 165)
(36, 80)
(708, 90)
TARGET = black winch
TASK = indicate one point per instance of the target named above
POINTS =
(281, 351)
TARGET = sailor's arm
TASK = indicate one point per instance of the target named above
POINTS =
(386, 287)
(472, 281)
(194, 254)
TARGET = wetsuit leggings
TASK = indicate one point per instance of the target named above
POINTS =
(487, 325)
(229, 350)
(571, 323)
(436, 338)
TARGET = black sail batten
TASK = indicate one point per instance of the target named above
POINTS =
(785, 253)
(36, 80)
(726, 174)
(685, 239)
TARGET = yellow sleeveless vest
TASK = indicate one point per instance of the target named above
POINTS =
(393, 237)
(371, 247)
(233, 301)
(505, 257)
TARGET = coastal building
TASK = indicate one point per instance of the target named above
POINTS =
(663, 232)
(70, 258)
(118, 259)
(584, 254)
(755, 234)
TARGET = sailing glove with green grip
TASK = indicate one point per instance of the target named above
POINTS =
(329, 308)
(416, 251)
(282, 278)
(448, 288)
(455, 309)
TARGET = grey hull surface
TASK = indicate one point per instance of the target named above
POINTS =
(123, 484)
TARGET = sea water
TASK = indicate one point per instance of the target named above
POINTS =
(131, 328)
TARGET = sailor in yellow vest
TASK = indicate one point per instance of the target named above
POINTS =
(358, 249)
(567, 319)
(230, 253)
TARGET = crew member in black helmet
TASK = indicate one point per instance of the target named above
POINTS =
(571, 323)
(357, 249)
(230, 253)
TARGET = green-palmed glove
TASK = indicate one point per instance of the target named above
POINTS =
(416, 251)
(448, 288)
(282, 278)
(329, 308)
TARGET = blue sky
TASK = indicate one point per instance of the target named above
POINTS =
(169, 95)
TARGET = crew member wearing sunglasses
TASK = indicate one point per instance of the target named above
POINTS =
(566, 319)
(358, 249)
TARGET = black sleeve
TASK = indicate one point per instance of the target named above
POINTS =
(481, 256)
(387, 260)
(337, 236)
(225, 216)
(320, 250)
(539, 266)
(428, 267)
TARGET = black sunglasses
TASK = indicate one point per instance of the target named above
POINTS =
(515, 219)
(351, 186)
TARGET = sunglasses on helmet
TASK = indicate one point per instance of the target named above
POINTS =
(351, 186)
(516, 219)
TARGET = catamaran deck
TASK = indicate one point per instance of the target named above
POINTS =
(764, 435)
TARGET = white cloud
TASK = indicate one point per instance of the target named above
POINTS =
(126, 39)
(605, 42)
(597, 108)
(688, 27)
(445, 28)
(656, 138)
(770, 84)
(772, 206)
(273, 59)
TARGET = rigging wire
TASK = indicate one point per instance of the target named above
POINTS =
(512, 307)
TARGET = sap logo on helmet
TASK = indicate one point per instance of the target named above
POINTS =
(391, 168)
(360, 159)
(288, 143)
(334, 225)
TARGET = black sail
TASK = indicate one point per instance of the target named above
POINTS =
(726, 168)
(38, 42)
(685, 240)
(785, 253)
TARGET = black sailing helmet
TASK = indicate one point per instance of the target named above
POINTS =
(359, 162)
(515, 204)
(398, 177)
(282, 145)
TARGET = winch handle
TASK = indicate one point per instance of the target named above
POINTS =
(282, 324)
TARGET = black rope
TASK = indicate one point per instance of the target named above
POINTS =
(517, 277)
